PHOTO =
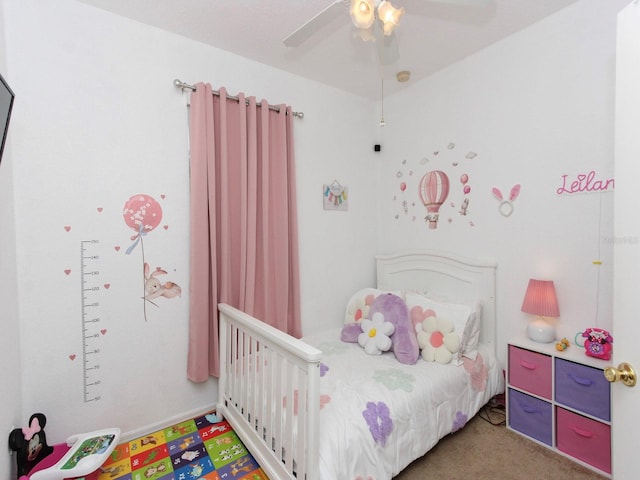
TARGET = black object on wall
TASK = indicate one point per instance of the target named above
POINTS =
(6, 104)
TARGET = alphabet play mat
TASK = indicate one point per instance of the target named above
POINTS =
(204, 447)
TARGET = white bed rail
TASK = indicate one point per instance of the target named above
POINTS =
(269, 392)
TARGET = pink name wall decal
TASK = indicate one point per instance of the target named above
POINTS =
(585, 183)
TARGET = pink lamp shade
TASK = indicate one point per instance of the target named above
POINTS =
(540, 300)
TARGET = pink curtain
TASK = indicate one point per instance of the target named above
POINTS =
(244, 237)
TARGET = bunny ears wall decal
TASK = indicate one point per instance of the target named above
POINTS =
(506, 206)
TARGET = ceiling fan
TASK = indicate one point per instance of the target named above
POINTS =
(364, 14)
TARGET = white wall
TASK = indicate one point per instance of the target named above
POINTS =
(534, 107)
(10, 378)
(99, 120)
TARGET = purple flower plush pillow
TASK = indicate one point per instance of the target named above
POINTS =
(404, 342)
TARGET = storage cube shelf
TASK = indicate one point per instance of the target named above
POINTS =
(560, 399)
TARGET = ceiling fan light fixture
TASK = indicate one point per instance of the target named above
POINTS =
(362, 13)
(389, 16)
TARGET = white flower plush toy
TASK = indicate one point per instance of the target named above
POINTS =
(438, 340)
(376, 333)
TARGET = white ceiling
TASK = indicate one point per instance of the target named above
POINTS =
(432, 34)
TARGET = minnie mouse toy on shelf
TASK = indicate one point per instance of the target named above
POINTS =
(597, 343)
(80, 457)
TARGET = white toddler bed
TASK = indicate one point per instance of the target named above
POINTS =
(324, 409)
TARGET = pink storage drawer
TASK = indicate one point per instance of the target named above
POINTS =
(530, 371)
(584, 438)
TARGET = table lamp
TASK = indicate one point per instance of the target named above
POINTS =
(540, 300)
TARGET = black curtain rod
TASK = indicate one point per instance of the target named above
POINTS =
(182, 86)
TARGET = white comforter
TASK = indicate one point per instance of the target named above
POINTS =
(378, 415)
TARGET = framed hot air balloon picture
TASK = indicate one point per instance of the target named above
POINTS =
(335, 197)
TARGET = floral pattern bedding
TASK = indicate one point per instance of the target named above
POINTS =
(378, 415)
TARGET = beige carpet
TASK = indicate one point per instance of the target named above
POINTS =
(482, 451)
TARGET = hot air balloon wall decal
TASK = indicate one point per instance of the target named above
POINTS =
(433, 191)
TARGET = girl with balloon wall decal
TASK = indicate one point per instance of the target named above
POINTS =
(142, 213)
(433, 191)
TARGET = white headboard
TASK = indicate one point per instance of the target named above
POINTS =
(446, 275)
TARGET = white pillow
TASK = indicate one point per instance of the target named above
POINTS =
(464, 317)
(476, 322)
(474, 334)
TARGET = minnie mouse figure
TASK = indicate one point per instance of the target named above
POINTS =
(30, 444)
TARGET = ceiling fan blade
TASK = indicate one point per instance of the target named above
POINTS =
(316, 23)
(469, 3)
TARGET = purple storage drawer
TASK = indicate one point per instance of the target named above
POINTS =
(530, 416)
(582, 388)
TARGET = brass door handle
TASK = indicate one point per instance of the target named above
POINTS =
(624, 373)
